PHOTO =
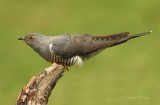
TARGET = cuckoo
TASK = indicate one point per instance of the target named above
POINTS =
(73, 49)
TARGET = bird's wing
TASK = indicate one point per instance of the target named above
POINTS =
(71, 45)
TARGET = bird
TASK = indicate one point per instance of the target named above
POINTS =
(74, 49)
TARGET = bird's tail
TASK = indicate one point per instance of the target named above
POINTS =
(132, 36)
(138, 35)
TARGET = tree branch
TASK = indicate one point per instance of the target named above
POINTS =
(39, 88)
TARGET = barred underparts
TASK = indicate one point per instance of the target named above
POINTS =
(76, 60)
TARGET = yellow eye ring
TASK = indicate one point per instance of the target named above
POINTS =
(31, 37)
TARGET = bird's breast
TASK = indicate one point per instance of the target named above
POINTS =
(76, 60)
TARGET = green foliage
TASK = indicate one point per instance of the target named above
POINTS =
(127, 74)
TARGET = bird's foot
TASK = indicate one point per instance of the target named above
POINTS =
(65, 66)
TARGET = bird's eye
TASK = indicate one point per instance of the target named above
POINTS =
(31, 37)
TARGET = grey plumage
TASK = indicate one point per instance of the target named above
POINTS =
(73, 49)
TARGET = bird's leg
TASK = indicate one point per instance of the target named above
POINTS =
(65, 66)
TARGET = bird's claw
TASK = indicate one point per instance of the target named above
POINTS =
(65, 66)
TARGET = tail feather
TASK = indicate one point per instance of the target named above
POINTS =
(141, 34)
(133, 36)
(111, 37)
(102, 42)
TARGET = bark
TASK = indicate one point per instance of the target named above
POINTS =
(39, 88)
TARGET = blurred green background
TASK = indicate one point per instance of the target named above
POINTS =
(128, 74)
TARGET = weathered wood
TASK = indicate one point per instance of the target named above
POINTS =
(39, 88)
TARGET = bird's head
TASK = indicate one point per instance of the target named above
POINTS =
(32, 38)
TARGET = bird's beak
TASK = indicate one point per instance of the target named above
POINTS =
(20, 38)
